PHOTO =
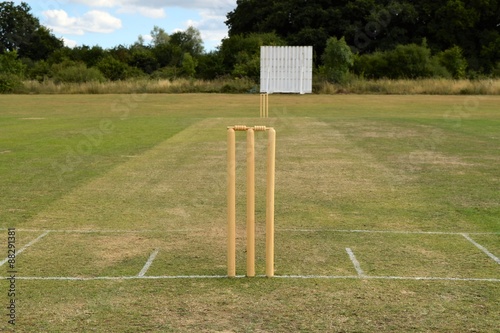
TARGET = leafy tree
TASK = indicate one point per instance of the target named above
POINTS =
(89, 55)
(166, 54)
(20, 31)
(9, 63)
(121, 53)
(210, 66)
(378, 25)
(296, 21)
(410, 61)
(241, 52)
(113, 69)
(39, 71)
(247, 66)
(188, 41)
(490, 50)
(11, 72)
(75, 72)
(189, 65)
(454, 61)
(144, 59)
(160, 37)
(338, 59)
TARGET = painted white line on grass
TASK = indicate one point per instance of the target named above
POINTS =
(215, 277)
(278, 230)
(118, 278)
(368, 277)
(388, 232)
(148, 263)
(21, 250)
(355, 262)
(482, 248)
(106, 231)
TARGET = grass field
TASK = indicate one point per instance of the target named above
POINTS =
(387, 214)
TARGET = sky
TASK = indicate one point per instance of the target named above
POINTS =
(109, 23)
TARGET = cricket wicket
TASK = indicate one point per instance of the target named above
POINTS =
(231, 199)
(264, 105)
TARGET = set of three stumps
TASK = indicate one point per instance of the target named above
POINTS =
(283, 69)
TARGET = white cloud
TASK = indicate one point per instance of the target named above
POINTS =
(147, 38)
(158, 3)
(155, 8)
(93, 21)
(144, 11)
(211, 13)
(211, 26)
(98, 3)
(69, 42)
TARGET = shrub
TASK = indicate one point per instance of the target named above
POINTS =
(404, 62)
(69, 72)
(189, 65)
(143, 59)
(454, 61)
(210, 66)
(39, 71)
(166, 73)
(10, 83)
(409, 61)
(11, 65)
(113, 69)
(496, 71)
(338, 59)
(372, 66)
(11, 72)
(247, 66)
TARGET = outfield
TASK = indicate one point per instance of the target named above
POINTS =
(387, 214)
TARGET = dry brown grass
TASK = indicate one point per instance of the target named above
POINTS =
(140, 86)
(413, 87)
(356, 86)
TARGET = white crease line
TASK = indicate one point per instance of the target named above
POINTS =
(430, 278)
(106, 231)
(115, 278)
(278, 230)
(482, 248)
(215, 277)
(148, 263)
(355, 262)
(367, 277)
(26, 246)
(388, 232)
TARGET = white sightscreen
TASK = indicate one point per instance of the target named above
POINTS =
(286, 69)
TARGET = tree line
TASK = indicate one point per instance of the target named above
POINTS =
(365, 38)
(379, 25)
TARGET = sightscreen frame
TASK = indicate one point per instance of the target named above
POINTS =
(286, 69)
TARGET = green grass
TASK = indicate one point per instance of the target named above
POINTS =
(396, 179)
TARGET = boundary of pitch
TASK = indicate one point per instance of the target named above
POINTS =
(238, 277)
(361, 275)
(461, 233)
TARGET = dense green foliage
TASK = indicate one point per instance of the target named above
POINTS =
(11, 72)
(379, 25)
(338, 59)
(366, 38)
(20, 31)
